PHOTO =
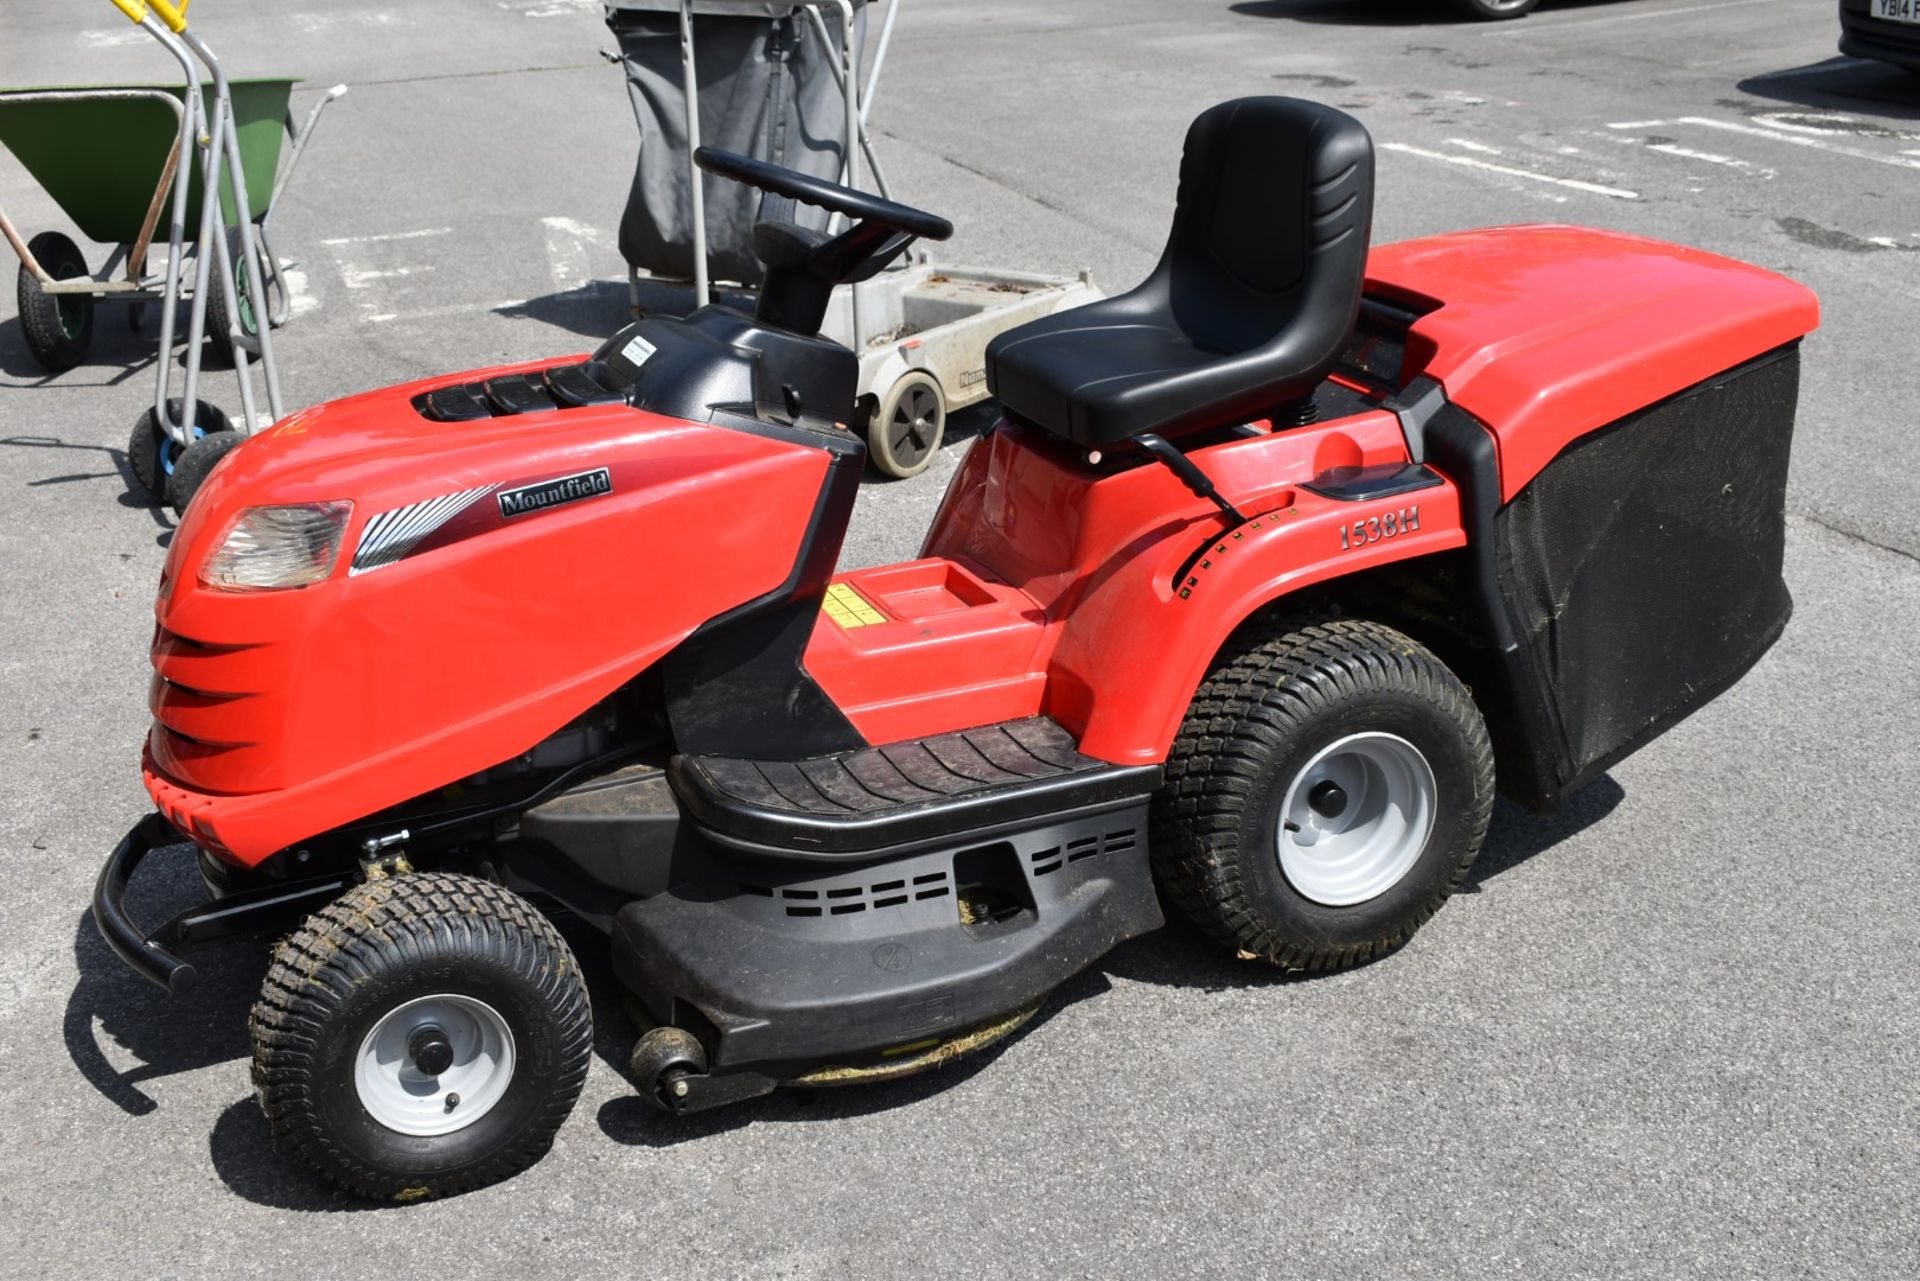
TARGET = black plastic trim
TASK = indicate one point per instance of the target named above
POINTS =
(1535, 765)
(1362, 484)
(738, 685)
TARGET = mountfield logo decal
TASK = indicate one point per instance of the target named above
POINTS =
(555, 493)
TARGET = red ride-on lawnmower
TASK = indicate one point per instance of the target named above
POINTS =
(1273, 568)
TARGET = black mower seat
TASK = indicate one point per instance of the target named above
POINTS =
(1253, 299)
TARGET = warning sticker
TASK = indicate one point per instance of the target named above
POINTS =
(849, 608)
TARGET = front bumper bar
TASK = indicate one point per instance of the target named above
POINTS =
(274, 906)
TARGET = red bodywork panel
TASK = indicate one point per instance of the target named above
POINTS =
(1078, 570)
(281, 714)
(1545, 333)
(1095, 595)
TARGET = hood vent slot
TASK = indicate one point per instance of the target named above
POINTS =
(562, 387)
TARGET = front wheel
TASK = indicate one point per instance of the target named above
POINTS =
(1329, 789)
(422, 1035)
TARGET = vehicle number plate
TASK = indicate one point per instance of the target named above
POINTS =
(1897, 10)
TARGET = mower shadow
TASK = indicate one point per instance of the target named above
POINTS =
(1182, 956)
(1378, 13)
(594, 310)
(1841, 84)
(167, 1036)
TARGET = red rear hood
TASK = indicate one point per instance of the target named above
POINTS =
(1546, 332)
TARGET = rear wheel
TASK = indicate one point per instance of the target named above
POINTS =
(908, 425)
(1329, 789)
(422, 1035)
(1497, 9)
(58, 328)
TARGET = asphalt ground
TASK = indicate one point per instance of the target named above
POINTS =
(1670, 1033)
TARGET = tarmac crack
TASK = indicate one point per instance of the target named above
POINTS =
(1854, 535)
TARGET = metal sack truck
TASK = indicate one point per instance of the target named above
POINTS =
(783, 82)
(1276, 566)
(111, 158)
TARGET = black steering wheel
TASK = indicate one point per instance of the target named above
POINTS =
(831, 196)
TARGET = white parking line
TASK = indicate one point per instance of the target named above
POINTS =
(567, 241)
(361, 277)
(1576, 184)
(1471, 145)
(1818, 143)
(1690, 153)
(1535, 26)
(389, 235)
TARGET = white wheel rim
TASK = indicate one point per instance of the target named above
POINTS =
(399, 1095)
(1356, 842)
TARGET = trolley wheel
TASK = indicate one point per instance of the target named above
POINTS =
(152, 453)
(1330, 788)
(219, 319)
(906, 428)
(195, 464)
(422, 1035)
(59, 329)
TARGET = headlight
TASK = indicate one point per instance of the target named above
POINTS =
(277, 547)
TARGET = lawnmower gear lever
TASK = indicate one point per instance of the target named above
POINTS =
(1190, 475)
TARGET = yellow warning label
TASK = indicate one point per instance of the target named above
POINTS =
(849, 608)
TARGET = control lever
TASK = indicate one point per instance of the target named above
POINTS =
(1189, 473)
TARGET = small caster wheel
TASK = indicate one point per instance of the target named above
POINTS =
(423, 1035)
(58, 327)
(663, 1060)
(152, 453)
(907, 426)
(195, 464)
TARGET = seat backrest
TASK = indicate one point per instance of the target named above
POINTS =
(1271, 229)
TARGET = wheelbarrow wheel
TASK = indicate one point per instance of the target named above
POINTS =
(195, 464)
(152, 454)
(59, 329)
(906, 429)
(220, 321)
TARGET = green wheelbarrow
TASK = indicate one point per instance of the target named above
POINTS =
(108, 156)
(116, 159)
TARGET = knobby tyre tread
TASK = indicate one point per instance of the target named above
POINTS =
(377, 929)
(1256, 702)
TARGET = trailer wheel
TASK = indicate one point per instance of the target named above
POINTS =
(1329, 789)
(152, 453)
(1497, 9)
(422, 1035)
(195, 464)
(59, 328)
(906, 429)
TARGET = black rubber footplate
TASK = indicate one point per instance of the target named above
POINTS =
(886, 797)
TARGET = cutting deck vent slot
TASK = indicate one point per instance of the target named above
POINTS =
(847, 900)
(1054, 857)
